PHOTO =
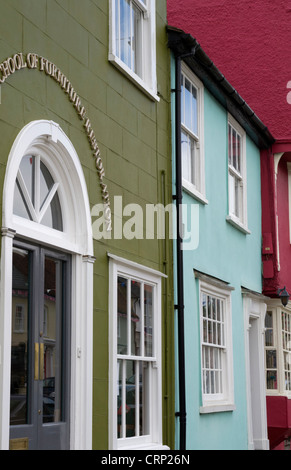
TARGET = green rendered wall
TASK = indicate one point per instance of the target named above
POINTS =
(132, 132)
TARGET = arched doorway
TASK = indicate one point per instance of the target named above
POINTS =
(47, 290)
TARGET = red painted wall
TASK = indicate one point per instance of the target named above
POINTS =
(250, 43)
(283, 222)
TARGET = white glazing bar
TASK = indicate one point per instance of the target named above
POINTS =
(129, 317)
(142, 348)
(123, 401)
(137, 413)
(36, 184)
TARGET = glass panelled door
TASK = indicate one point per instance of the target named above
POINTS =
(40, 349)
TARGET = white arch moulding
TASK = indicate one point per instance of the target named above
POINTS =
(59, 155)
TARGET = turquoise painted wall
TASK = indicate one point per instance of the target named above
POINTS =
(232, 256)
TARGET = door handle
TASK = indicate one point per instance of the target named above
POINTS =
(36, 361)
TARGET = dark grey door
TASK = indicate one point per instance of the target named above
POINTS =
(40, 350)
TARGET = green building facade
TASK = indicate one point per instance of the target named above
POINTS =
(86, 305)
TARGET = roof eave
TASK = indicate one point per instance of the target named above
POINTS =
(182, 44)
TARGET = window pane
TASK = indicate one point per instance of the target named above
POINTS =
(127, 26)
(119, 399)
(186, 157)
(122, 316)
(131, 367)
(194, 124)
(231, 187)
(27, 168)
(287, 380)
(271, 359)
(269, 320)
(269, 338)
(53, 215)
(212, 370)
(19, 205)
(272, 380)
(53, 348)
(238, 153)
(188, 101)
(182, 98)
(229, 145)
(212, 341)
(133, 406)
(135, 318)
(219, 302)
(125, 35)
(144, 398)
(189, 163)
(234, 149)
(204, 305)
(238, 198)
(35, 194)
(19, 399)
(148, 321)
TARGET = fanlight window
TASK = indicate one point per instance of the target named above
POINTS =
(36, 194)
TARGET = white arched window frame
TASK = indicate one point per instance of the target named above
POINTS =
(47, 140)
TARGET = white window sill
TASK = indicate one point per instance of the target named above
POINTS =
(141, 84)
(149, 446)
(238, 224)
(219, 408)
(192, 191)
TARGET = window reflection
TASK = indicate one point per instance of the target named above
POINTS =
(133, 399)
(52, 361)
(20, 337)
(128, 17)
(35, 194)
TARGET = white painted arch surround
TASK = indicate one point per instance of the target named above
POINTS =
(59, 155)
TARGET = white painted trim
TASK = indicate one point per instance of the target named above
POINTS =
(120, 266)
(276, 307)
(254, 318)
(240, 224)
(216, 408)
(225, 401)
(63, 162)
(237, 223)
(5, 336)
(199, 194)
(190, 189)
(147, 82)
(138, 266)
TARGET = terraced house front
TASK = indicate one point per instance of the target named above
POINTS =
(85, 307)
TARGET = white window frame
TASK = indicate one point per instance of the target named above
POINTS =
(254, 305)
(61, 158)
(197, 190)
(276, 308)
(273, 347)
(124, 268)
(223, 401)
(146, 78)
(240, 221)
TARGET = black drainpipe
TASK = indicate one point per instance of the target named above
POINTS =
(180, 270)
